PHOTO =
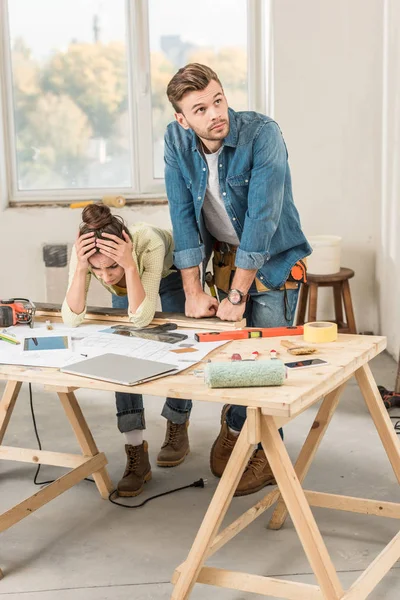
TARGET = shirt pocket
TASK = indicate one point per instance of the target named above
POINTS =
(242, 180)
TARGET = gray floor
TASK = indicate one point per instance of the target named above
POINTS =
(82, 547)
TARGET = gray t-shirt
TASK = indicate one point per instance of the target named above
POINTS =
(216, 218)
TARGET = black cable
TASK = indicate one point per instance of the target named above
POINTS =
(35, 481)
(199, 483)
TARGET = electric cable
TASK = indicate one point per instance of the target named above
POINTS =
(201, 483)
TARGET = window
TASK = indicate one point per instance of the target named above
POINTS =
(84, 102)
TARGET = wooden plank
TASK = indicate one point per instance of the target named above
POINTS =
(363, 506)
(85, 440)
(309, 449)
(375, 572)
(43, 496)
(7, 404)
(267, 586)
(42, 457)
(215, 513)
(253, 425)
(380, 417)
(117, 315)
(300, 511)
(243, 521)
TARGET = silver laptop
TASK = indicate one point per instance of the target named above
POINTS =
(116, 368)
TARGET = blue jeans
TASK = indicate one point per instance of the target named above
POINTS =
(130, 411)
(272, 309)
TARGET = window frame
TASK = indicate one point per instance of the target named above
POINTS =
(139, 94)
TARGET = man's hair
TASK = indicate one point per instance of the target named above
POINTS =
(192, 78)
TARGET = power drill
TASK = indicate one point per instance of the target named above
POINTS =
(390, 399)
(16, 311)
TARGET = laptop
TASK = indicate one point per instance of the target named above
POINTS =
(117, 368)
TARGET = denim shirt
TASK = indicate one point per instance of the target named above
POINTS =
(255, 184)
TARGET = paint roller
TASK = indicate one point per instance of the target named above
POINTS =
(113, 201)
(245, 373)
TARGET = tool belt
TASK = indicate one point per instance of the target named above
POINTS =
(224, 266)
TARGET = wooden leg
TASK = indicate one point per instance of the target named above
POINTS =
(337, 296)
(299, 509)
(1, 574)
(380, 416)
(348, 307)
(312, 305)
(397, 383)
(214, 516)
(7, 404)
(85, 440)
(301, 315)
(309, 449)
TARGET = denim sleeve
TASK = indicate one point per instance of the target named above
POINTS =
(189, 252)
(265, 197)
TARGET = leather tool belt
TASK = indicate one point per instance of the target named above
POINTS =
(224, 266)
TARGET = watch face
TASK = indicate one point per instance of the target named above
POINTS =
(235, 297)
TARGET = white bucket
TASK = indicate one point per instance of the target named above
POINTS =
(325, 259)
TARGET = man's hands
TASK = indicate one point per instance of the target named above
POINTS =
(117, 249)
(230, 312)
(85, 246)
(200, 305)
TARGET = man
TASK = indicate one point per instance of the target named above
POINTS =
(229, 191)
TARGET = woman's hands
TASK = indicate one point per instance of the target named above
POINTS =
(117, 249)
(85, 246)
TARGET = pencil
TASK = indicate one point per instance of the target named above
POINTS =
(9, 338)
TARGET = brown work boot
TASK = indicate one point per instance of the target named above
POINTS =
(176, 445)
(257, 475)
(137, 471)
(222, 447)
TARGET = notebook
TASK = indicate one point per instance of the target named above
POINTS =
(116, 368)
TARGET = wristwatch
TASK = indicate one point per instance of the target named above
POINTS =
(236, 296)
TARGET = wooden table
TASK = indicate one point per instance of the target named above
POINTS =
(268, 409)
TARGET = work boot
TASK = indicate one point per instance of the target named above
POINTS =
(176, 445)
(223, 446)
(257, 475)
(137, 471)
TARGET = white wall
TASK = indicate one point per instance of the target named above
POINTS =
(328, 89)
(328, 75)
(389, 244)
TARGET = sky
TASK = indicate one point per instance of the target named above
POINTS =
(47, 25)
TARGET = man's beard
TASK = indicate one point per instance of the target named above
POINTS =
(211, 134)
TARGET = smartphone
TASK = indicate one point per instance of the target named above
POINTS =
(304, 364)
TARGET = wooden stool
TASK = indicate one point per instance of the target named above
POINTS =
(341, 290)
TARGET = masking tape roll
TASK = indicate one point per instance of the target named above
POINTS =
(320, 332)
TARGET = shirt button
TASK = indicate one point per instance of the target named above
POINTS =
(204, 168)
(198, 197)
(261, 277)
(246, 181)
(220, 166)
(233, 218)
(224, 193)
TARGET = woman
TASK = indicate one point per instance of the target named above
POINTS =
(135, 265)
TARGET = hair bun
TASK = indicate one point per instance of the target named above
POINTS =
(97, 216)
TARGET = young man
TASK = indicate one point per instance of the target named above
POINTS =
(229, 191)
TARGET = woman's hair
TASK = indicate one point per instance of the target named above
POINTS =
(192, 78)
(97, 218)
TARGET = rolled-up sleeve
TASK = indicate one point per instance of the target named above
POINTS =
(189, 251)
(150, 278)
(265, 197)
(68, 316)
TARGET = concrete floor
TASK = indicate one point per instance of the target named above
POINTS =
(85, 548)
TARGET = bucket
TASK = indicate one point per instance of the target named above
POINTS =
(325, 259)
